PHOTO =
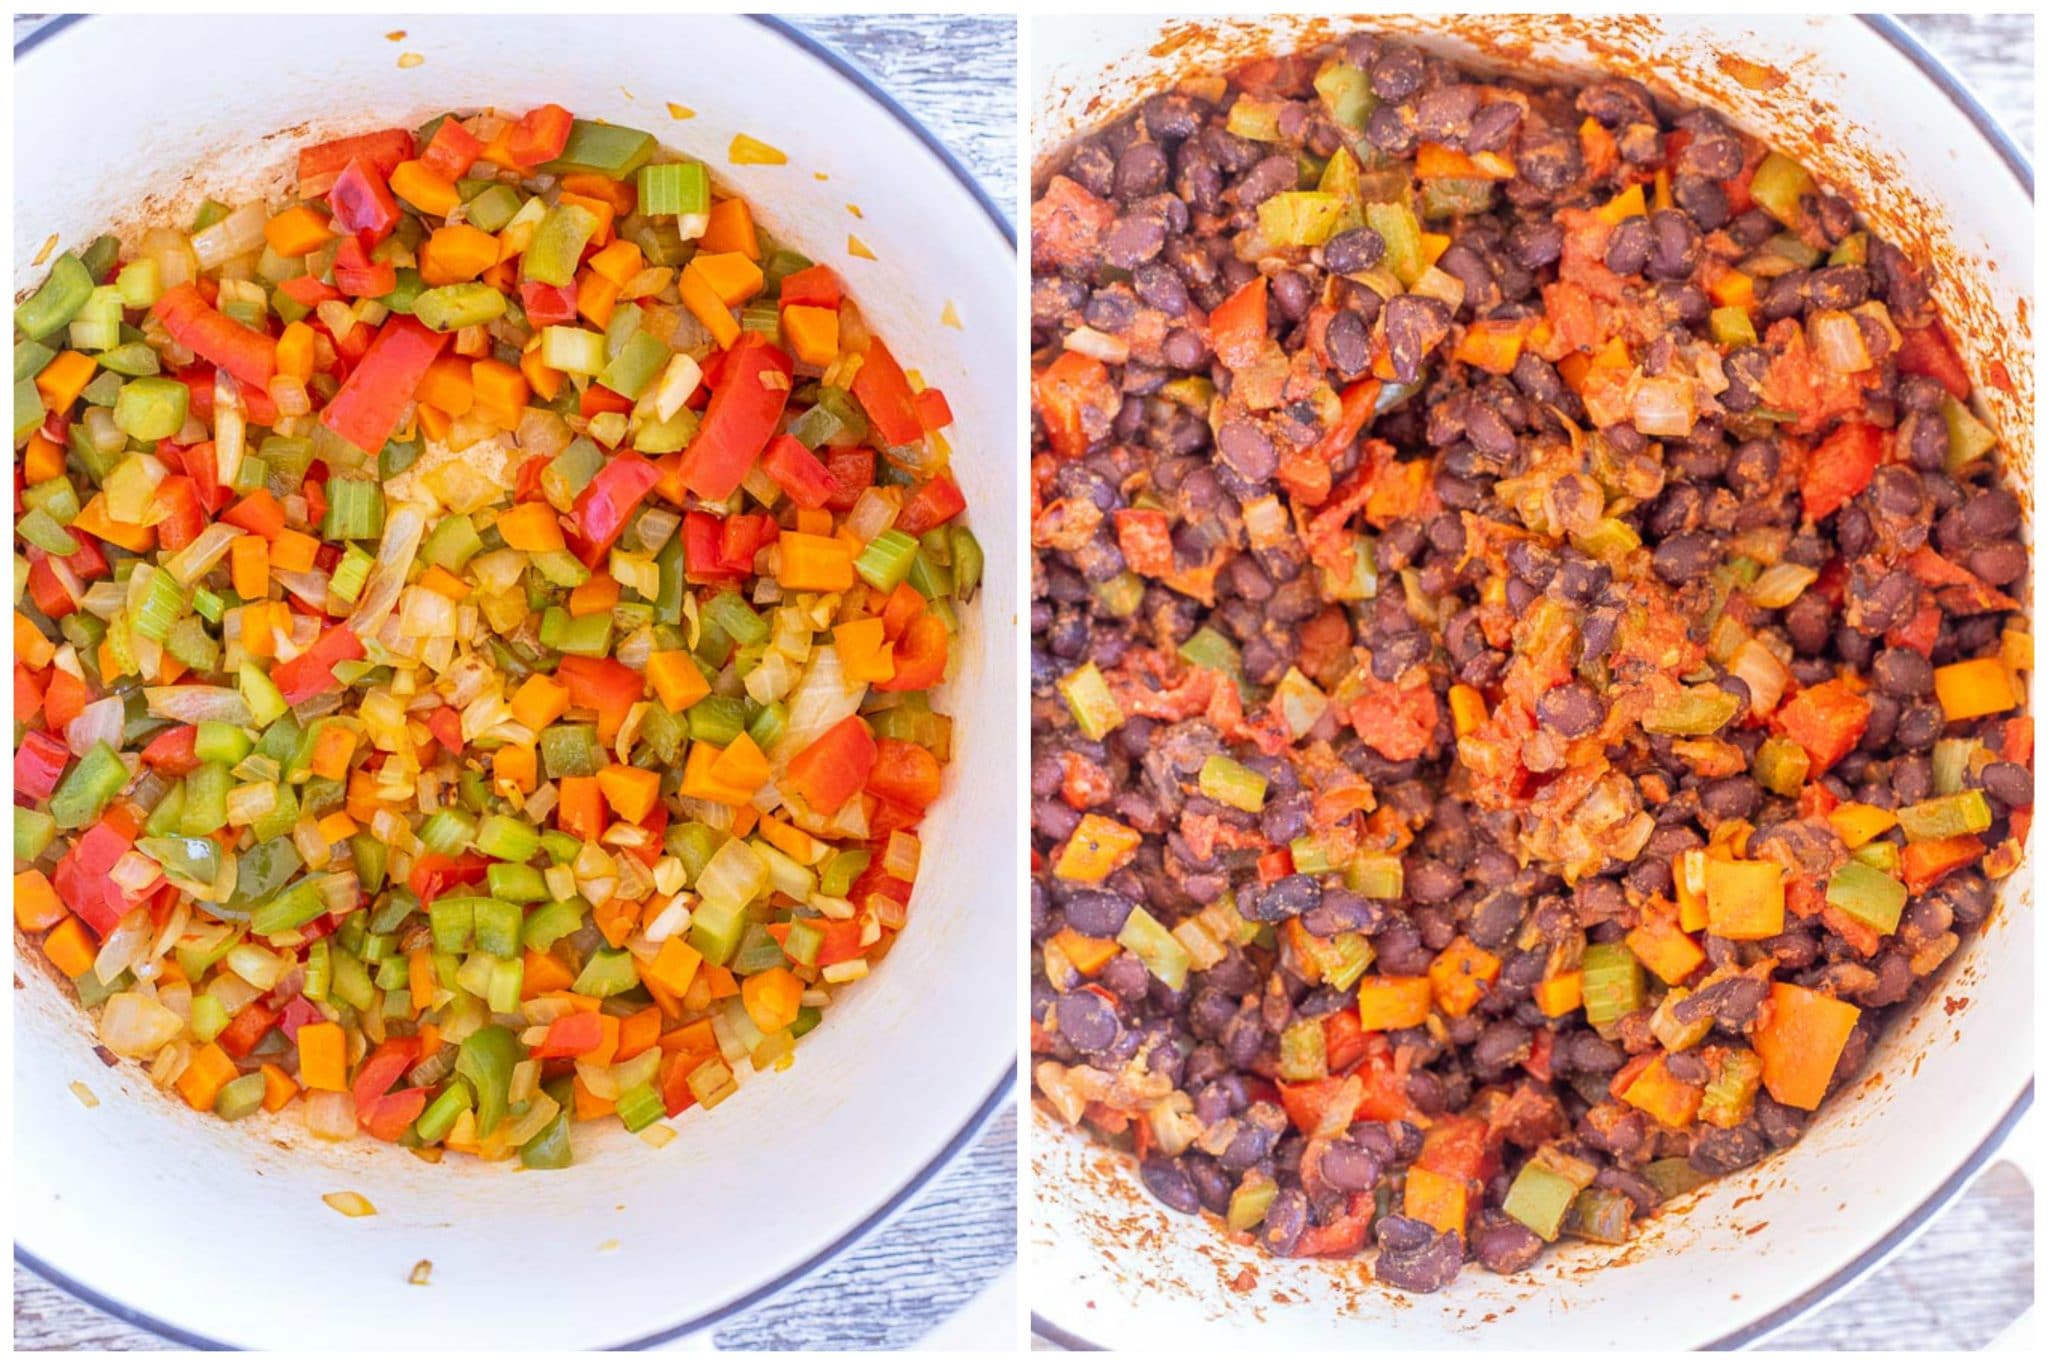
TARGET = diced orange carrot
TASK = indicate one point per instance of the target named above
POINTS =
(730, 227)
(209, 1070)
(323, 1056)
(70, 948)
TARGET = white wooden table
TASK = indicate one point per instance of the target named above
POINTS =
(957, 75)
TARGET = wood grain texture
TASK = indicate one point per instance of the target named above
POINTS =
(958, 76)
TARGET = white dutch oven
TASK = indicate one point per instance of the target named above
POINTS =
(1933, 172)
(216, 1233)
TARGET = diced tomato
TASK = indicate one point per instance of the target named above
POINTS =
(1826, 720)
(920, 656)
(312, 672)
(905, 773)
(833, 767)
(452, 150)
(884, 394)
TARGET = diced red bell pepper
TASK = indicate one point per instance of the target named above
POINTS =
(380, 1070)
(888, 816)
(920, 656)
(933, 411)
(741, 416)
(89, 561)
(201, 464)
(39, 765)
(81, 879)
(1927, 351)
(173, 753)
(309, 291)
(362, 203)
(743, 536)
(52, 598)
(884, 394)
(65, 696)
(388, 1116)
(539, 136)
(934, 502)
(1344, 1040)
(904, 773)
(797, 472)
(703, 555)
(246, 1029)
(444, 723)
(833, 767)
(1237, 329)
(452, 150)
(1343, 1235)
(812, 287)
(360, 277)
(547, 305)
(1840, 467)
(382, 151)
(436, 874)
(195, 324)
(1459, 1147)
(185, 519)
(606, 686)
(312, 672)
(297, 1013)
(571, 1035)
(853, 472)
(1075, 400)
(842, 939)
(366, 409)
(899, 609)
(1826, 720)
(608, 501)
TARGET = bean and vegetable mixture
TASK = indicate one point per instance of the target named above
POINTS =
(1526, 673)
(474, 630)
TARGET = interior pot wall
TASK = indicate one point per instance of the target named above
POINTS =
(635, 1240)
(1116, 1269)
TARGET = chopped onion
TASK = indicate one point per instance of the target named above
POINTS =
(125, 946)
(251, 801)
(1780, 585)
(395, 555)
(134, 873)
(1663, 407)
(99, 723)
(1763, 673)
(238, 234)
(1096, 345)
(873, 512)
(821, 699)
(230, 431)
(207, 549)
(347, 1202)
(1838, 340)
(176, 262)
(678, 382)
(330, 1114)
(133, 1025)
(193, 703)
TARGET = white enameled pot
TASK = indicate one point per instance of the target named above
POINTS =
(216, 1233)
(1872, 113)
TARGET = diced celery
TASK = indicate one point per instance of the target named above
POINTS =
(1088, 697)
(1233, 784)
(1612, 985)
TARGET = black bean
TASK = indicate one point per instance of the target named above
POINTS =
(1838, 286)
(1170, 1184)
(1133, 240)
(1286, 898)
(1349, 344)
(1141, 170)
(1266, 179)
(1086, 1020)
(1629, 246)
(1493, 126)
(1574, 710)
(1675, 245)
(1731, 798)
(1416, 325)
(1247, 449)
(2011, 784)
(1503, 1245)
(1349, 1166)
(2001, 563)
(1685, 558)
(1286, 1220)
(1397, 73)
(1549, 158)
(1414, 1256)
(1704, 199)
(1357, 249)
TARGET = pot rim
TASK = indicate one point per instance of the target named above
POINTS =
(840, 65)
(1909, 46)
